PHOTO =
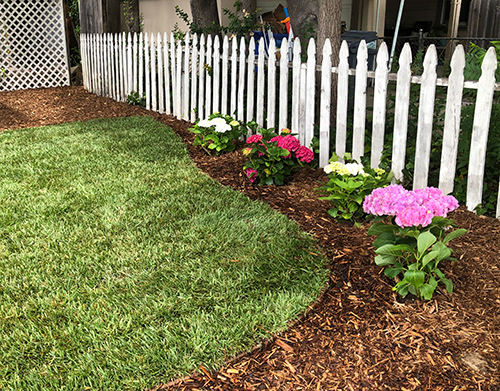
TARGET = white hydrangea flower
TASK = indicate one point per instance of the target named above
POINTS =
(218, 121)
(222, 128)
(355, 168)
(205, 123)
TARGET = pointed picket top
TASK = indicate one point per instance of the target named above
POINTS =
(311, 49)
(251, 48)
(297, 50)
(451, 130)
(325, 102)
(482, 117)
(216, 47)
(202, 40)
(209, 41)
(225, 44)
(362, 55)
(405, 59)
(379, 105)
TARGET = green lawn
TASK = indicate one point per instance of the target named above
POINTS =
(122, 266)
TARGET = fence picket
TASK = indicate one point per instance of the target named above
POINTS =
(135, 58)
(310, 95)
(194, 77)
(241, 80)
(201, 91)
(283, 91)
(173, 73)
(123, 68)
(482, 116)
(185, 84)
(326, 95)
(296, 84)
(251, 81)
(141, 65)
(342, 100)
(260, 84)
(359, 126)
(425, 119)
(167, 75)
(130, 82)
(161, 83)
(208, 96)
(148, 71)
(178, 80)
(216, 74)
(451, 130)
(401, 113)
(234, 74)
(225, 66)
(271, 85)
(154, 100)
(379, 105)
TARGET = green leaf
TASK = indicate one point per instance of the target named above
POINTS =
(384, 260)
(426, 291)
(380, 228)
(444, 280)
(443, 251)
(212, 146)
(402, 288)
(429, 257)
(454, 234)
(415, 277)
(392, 272)
(341, 184)
(424, 241)
(396, 250)
(385, 238)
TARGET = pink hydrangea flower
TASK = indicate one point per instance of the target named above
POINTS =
(414, 216)
(411, 208)
(287, 142)
(254, 139)
(304, 154)
(251, 174)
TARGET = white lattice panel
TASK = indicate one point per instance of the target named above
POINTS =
(32, 44)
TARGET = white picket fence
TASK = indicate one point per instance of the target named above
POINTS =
(196, 77)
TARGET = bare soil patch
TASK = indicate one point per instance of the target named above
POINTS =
(359, 335)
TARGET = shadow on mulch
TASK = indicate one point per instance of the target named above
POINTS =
(358, 335)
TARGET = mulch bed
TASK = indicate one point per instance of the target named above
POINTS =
(358, 335)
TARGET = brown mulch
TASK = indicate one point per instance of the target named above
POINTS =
(359, 335)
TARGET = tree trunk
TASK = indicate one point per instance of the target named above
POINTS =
(205, 14)
(329, 26)
(249, 6)
(303, 18)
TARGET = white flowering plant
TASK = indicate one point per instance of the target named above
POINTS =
(217, 133)
(349, 183)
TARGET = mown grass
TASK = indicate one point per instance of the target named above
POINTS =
(122, 266)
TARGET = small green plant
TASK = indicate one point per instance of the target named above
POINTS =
(219, 132)
(135, 99)
(474, 59)
(273, 157)
(3, 73)
(414, 243)
(349, 184)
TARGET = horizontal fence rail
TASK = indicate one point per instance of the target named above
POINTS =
(251, 80)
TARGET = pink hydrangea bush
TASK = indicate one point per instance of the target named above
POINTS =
(273, 157)
(414, 244)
